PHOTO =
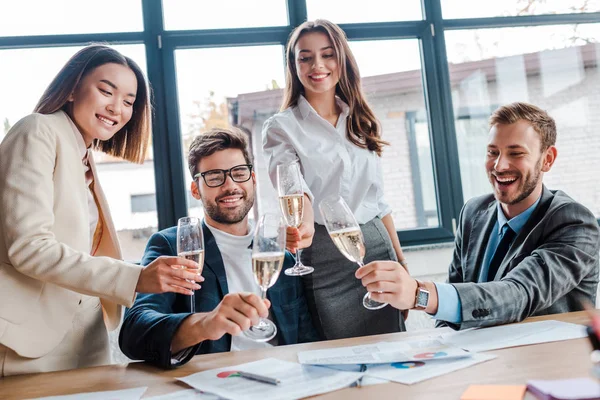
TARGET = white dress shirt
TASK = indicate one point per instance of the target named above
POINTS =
(330, 163)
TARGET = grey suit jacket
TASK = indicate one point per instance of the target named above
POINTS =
(551, 267)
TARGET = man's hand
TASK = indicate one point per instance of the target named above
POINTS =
(391, 278)
(237, 312)
(299, 238)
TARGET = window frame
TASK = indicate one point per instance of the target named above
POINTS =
(160, 46)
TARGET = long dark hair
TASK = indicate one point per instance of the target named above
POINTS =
(363, 128)
(132, 140)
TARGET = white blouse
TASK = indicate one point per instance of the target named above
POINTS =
(330, 163)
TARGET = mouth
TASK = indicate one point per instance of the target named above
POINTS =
(504, 182)
(231, 200)
(319, 77)
(106, 120)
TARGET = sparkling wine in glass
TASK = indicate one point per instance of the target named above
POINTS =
(347, 236)
(268, 253)
(291, 202)
(190, 245)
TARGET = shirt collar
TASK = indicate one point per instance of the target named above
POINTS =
(305, 107)
(516, 223)
(83, 151)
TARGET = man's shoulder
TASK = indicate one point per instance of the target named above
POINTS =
(168, 234)
(561, 203)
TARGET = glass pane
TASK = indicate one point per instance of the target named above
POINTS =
(194, 14)
(57, 17)
(24, 75)
(490, 8)
(354, 11)
(553, 67)
(213, 93)
(394, 90)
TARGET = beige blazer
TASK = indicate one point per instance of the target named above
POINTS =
(45, 265)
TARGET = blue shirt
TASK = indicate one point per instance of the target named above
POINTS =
(449, 307)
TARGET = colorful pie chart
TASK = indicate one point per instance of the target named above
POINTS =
(408, 364)
(430, 355)
(227, 374)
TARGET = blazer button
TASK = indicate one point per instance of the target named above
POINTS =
(475, 313)
(79, 301)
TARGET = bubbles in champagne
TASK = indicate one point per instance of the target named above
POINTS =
(350, 243)
(266, 268)
(195, 255)
(292, 208)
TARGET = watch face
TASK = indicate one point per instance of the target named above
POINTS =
(423, 298)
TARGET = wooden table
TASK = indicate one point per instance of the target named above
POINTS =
(567, 359)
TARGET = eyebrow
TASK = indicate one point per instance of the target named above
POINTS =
(512, 146)
(308, 51)
(112, 85)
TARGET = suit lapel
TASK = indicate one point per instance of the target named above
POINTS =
(517, 245)
(213, 259)
(478, 240)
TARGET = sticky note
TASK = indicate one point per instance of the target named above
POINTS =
(494, 392)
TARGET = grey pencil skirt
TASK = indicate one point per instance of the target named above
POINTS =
(334, 295)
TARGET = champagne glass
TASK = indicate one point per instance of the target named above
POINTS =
(291, 201)
(268, 252)
(190, 245)
(347, 236)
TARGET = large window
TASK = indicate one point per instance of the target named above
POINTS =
(433, 71)
(553, 67)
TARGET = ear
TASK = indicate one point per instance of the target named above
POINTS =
(71, 97)
(549, 158)
(195, 191)
(253, 178)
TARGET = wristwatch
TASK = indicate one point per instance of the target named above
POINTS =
(421, 296)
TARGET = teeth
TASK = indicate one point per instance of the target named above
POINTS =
(505, 180)
(106, 121)
(231, 200)
(319, 76)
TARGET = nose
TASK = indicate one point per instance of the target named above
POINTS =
(114, 108)
(501, 163)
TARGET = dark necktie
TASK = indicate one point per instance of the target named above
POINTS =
(500, 253)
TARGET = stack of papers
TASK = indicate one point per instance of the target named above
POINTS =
(383, 352)
(404, 362)
(499, 337)
(296, 380)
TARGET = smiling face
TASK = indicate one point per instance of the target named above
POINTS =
(102, 103)
(229, 203)
(515, 164)
(316, 64)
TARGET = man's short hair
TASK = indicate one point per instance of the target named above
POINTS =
(539, 119)
(216, 139)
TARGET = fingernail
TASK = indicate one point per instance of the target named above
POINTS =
(197, 287)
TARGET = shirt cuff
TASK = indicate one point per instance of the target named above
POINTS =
(449, 307)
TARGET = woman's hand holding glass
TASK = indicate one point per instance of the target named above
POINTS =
(291, 201)
(268, 253)
(169, 274)
(347, 236)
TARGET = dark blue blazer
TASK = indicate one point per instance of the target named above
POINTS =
(149, 326)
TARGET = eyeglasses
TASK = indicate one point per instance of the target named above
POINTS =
(216, 177)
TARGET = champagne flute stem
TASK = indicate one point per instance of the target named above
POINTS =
(298, 261)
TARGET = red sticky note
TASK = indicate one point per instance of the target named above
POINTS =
(494, 392)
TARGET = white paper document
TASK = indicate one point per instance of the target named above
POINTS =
(126, 394)
(499, 337)
(383, 352)
(417, 371)
(187, 394)
(296, 380)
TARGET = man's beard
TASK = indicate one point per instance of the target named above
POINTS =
(529, 184)
(231, 217)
